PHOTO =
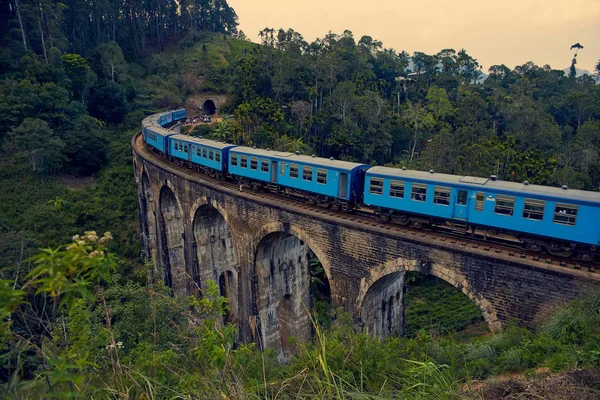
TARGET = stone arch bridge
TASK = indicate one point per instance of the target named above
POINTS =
(257, 247)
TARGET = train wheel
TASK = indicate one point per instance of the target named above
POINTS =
(400, 219)
(384, 217)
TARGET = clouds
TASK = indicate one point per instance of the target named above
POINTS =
(511, 32)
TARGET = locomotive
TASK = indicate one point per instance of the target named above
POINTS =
(561, 221)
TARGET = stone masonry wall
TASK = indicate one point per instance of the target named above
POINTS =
(354, 254)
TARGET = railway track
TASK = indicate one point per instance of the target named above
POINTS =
(365, 219)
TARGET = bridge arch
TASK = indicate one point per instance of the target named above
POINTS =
(282, 289)
(171, 246)
(214, 254)
(148, 220)
(387, 280)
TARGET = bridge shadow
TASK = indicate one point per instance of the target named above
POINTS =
(285, 291)
(214, 256)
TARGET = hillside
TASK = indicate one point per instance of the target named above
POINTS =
(87, 318)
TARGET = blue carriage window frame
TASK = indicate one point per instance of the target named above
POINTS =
(217, 156)
(534, 209)
(243, 162)
(234, 160)
(264, 165)
(211, 155)
(294, 171)
(505, 205)
(282, 168)
(253, 163)
(565, 214)
(185, 147)
(204, 152)
(441, 195)
(418, 192)
(397, 189)
(479, 201)
(198, 151)
(307, 173)
(376, 186)
(322, 176)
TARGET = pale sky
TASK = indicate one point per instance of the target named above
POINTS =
(509, 32)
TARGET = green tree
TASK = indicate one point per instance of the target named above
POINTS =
(81, 75)
(35, 142)
(112, 61)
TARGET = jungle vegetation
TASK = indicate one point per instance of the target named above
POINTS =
(77, 77)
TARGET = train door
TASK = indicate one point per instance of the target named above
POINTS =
(191, 150)
(460, 206)
(343, 188)
(273, 171)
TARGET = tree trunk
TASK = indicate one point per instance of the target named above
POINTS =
(41, 31)
(21, 24)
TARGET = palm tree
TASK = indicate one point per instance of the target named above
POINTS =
(221, 132)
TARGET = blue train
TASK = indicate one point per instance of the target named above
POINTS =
(561, 221)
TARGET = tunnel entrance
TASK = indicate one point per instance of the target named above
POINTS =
(209, 107)
(215, 257)
(440, 308)
(172, 259)
(290, 282)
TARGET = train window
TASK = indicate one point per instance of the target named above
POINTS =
(397, 189)
(211, 155)
(204, 152)
(479, 201)
(253, 163)
(293, 170)
(282, 168)
(185, 148)
(322, 176)
(441, 195)
(217, 156)
(565, 214)
(234, 159)
(505, 205)
(307, 173)
(376, 186)
(534, 209)
(462, 198)
(199, 151)
(418, 192)
(243, 162)
(264, 165)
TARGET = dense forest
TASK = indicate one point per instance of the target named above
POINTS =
(84, 318)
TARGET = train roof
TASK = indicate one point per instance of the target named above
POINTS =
(488, 183)
(206, 142)
(291, 157)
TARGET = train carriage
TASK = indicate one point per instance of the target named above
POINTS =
(155, 135)
(178, 115)
(329, 178)
(531, 210)
(203, 152)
